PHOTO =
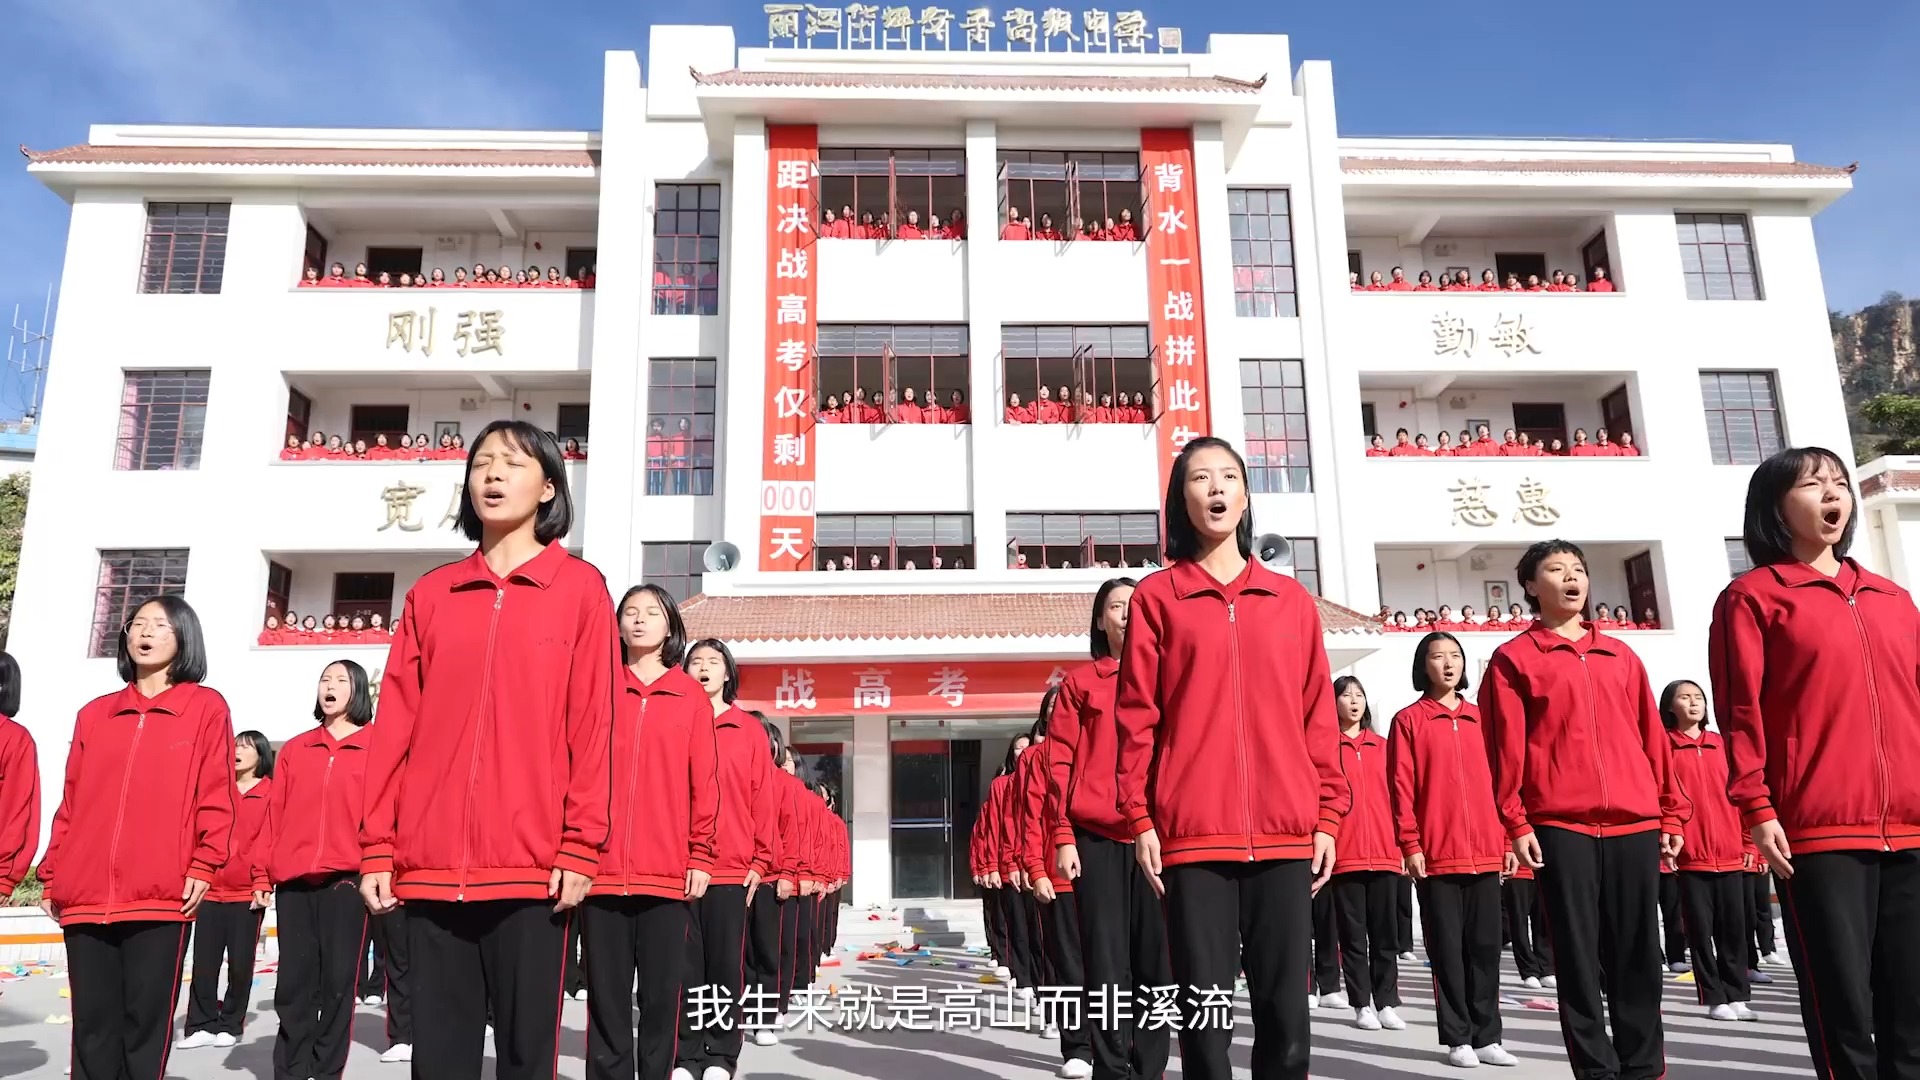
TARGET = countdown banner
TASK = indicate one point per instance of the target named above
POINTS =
(787, 467)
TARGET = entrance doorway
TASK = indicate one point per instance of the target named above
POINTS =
(938, 775)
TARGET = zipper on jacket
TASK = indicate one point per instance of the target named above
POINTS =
(1459, 766)
(320, 847)
(479, 732)
(1873, 711)
(633, 774)
(120, 815)
(1599, 744)
(1240, 725)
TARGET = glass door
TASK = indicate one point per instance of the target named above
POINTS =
(921, 821)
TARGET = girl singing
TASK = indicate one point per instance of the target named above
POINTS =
(228, 925)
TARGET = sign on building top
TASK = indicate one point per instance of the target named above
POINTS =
(869, 26)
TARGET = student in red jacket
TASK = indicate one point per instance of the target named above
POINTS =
(1122, 939)
(309, 854)
(144, 825)
(228, 924)
(983, 858)
(1456, 852)
(1059, 922)
(19, 784)
(716, 947)
(794, 853)
(487, 781)
(1813, 662)
(1228, 769)
(1366, 872)
(659, 858)
(1583, 777)
(1712, 866)
(764, 909)
(1016, 916)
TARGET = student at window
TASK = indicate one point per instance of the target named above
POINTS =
(1403, 445)
(573, 451)
(1017, 413)
(380, 451)
(1044, 410)
(19, 783)
(1581, 447)
(360, 278)
(1456, 850)
(1426, 282)
(1609, 814)
(528, 663)
(271, 633)
(1366, 870)
(1063, 400)
(957, 411)
(359, 449)
(679, 444)
(1353, 282)
(910, 229)
(1231, 846)
(1603, 446)
(337, 277)
(458, 451)
(310, 278)
(909, 410)
(1375, 283)
(1446, 447)
(1598, 280)
(144, 825)
(1399, 282)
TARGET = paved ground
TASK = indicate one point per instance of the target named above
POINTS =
(1697, 1049)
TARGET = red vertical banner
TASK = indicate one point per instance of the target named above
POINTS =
(787, 463)
(1176, 311)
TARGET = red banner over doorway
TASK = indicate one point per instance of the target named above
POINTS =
(951, 686)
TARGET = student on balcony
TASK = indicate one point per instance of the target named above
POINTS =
(1445, 448)
(677, 447)
(1124, 230)
(1426, 282)
(1017, 413)
(1015, 228)
(956, 225)
(910, 229)
(656, 458)
(1625, 447)
(1402, 444)
(1353, 282)
(1375, 283)
(1583, 448)
(909, 410)
(1399, 282)
(1598, 282)
(956, 411)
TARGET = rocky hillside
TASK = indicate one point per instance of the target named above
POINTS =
(1875, 350)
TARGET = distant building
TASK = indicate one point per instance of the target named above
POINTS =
(17, 439)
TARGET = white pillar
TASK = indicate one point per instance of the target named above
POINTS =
(983, 329)
(872, 813)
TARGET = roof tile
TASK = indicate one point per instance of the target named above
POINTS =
(421, 157)
(957, 81)
(1608, 166)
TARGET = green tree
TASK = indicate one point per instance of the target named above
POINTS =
(1895, 417)
(13, 522)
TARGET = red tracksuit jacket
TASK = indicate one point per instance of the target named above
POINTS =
(1443, 789)
(313, 819)
(1082, 747)
(789, 824)
(747, 802)
(1367, 834)
(19, 803)
(491, 761)
(1715, 841)
(235, 881)
(1039, 811)
(666, 787)
(1232, 753)
(1577, 738)
(1006, 842)
(980, 843)
(1814, 684)
(147, 804)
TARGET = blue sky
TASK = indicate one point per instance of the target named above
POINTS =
(1838, 80)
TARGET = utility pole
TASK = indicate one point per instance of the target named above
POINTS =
(27, 353)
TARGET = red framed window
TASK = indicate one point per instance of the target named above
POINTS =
(898, 541)
(1078, 541)
(1273, 394)
(1716, 257)
(163, 420)
(129, 577)
(927, 183)
(1260, 227)
(686, 249)
(1071, 186)
(680, 403)
(1101, 362)
(364, 595)
(676, 567)
(186, 249)
(883, 360)
(1743, 416)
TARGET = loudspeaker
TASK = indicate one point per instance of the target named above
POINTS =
(1273, 551)
(720, 557)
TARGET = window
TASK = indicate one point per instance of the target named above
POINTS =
(1737, 561)
(369, 421)
(885, 361)
(163, 420)
(279, 589)
(1369, 423)
(1593, 254)
(315, 258)
(680, 427)
(1261, 231)
(128, 578)
(1081, 360)
(570, 422)
(897, 541)
(363, 595)
(1520, 263)
(1071, 186)
(581, 262)
(675, 567)
(186, 248)
(299, 413)
(1078, 541)
(686, 249)
(1716, 255)
(1642, 597)
(1273, 394)
(1541, 422)
(394, 261)
(1616, 413)
(1353, 262)
(897, 182)
(1743, 416)
(1306, 562)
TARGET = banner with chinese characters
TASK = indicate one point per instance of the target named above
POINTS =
(786, 468)
(871, 26)
(1175, 307)
(960, 687)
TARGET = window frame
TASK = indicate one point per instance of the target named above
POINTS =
(1722, 451)
(581, 261)
(1086, 546)
(113, 601)
(356, 431)
(697, 291)
(1737, 561)
(1306, 562)
(1689, 223)
(165, 269)
(135, 438)
(893, 179)
(1280, 286)
(1085, 357)
(889, 338)
(1079, 174)
(394, 260)
(342, 605)
(699, 458)
(891, 551)
(561, 414)
(1254, 390)
(688, 582)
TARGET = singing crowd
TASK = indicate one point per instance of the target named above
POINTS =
(319, 446)
(483, 277)
(1481, 444)
(546, 760)
(1508, 620)
(1458, 281)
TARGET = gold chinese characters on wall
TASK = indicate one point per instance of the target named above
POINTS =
(474, 332)
(871, 26)
(397, 507)
(1470, 506)
(1509, 335)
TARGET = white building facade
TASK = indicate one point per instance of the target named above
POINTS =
(187, 356)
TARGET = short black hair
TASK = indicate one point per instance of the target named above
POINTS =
(1340, 687)
(1536, 554)
(775, 741)
(1667, 716)
(1097, 642)
(1422, 684)
(674, 648)
(262, 746)
(554, 519)
(190, 645)
(1040, 722)
(1764, 531)
(730, 686)
(9, 685)
(359, 694)
(1183, 541)
(1399, 431)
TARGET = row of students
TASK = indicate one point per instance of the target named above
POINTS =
(1019, 227)
(1562, 281)
(320, 446)
(843, 226)
(1049, 409)
(1511, 619)
(364, 628)
(1511, 445)
(909, 409)
(483, 277)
